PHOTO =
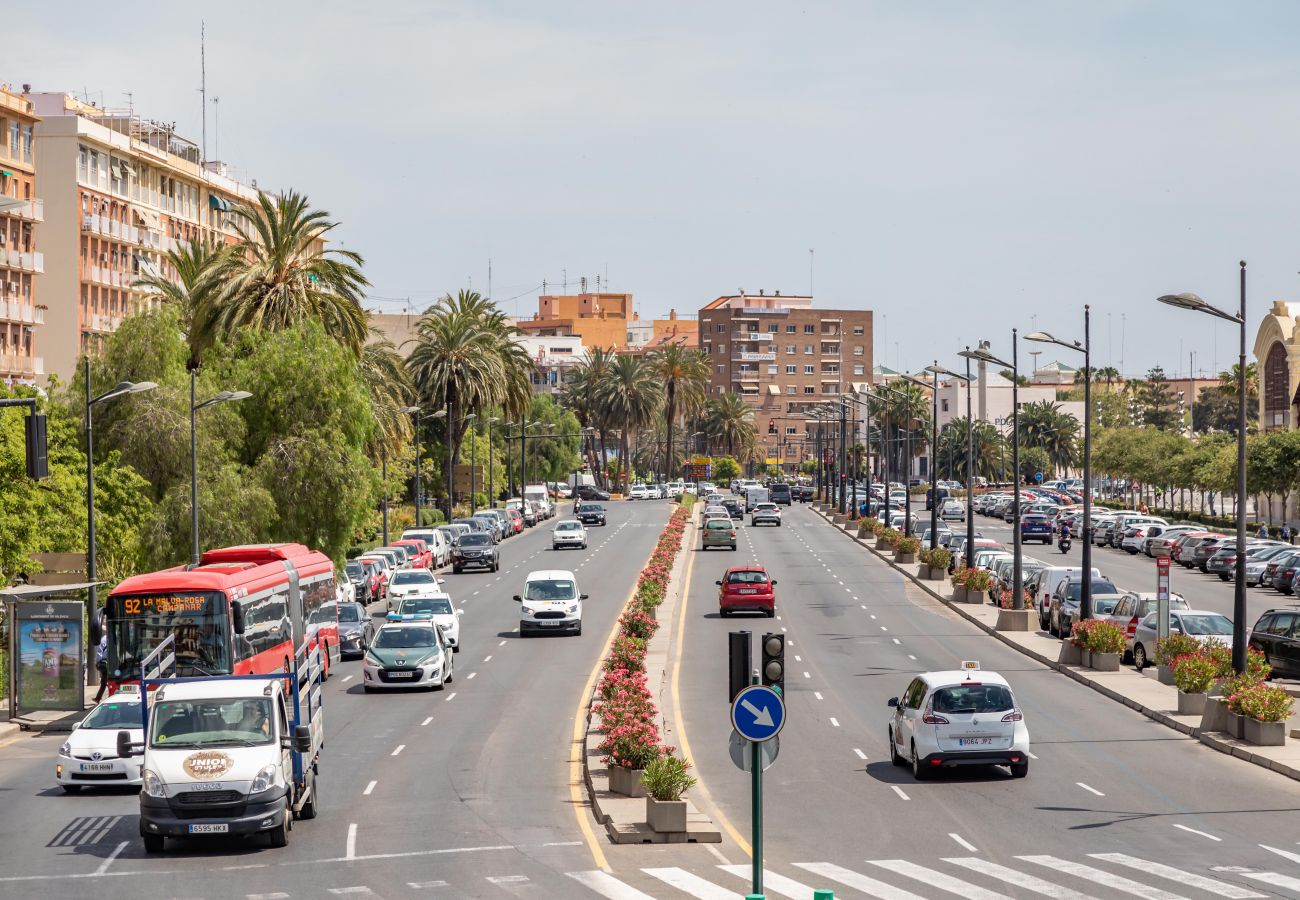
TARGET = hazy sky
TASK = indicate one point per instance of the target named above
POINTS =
(959, 167)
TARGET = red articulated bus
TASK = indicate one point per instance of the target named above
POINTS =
(240, 611)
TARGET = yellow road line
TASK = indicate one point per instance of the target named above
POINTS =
(680, 719)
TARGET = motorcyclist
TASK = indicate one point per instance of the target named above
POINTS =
(1065, 535)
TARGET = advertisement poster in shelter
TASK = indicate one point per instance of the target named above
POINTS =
(50, 658)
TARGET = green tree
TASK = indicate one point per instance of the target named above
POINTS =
(195, 293)
(723, 469)
(684, 374)
(1044, 426)
(1157, 406)
(631, 398)
(728, 423)
(1032, 461)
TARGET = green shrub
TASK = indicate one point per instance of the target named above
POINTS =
(1102, 636)
(938, 558)
(1262, 702)
(666, 778)
(1194, 673)
(907, 545)
(1174, 646)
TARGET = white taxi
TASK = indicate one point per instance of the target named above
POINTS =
(410, 583)
(88, 758)
(438, 607)
(958, 718)
(569, 533)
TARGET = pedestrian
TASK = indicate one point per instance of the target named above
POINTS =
(1211, 499)
(101, 664)
(1286, 532)
(1262, 534)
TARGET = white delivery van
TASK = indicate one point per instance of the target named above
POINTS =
(756, 494)
(551, 602)
(539, 493)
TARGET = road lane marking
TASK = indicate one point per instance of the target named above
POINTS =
(860, 754)
(691, 884)
(358, 891)
(488, 658)
(835, 722)
(806, 675)
(1030, 755)
(507, 879)
(1286, 854)
(910, 656)
(502, 644)
(426, 721)
(1091, 790)
(451, 696)
(349, 678)
(963, 842)
(470, 676)
(108, 861)
(858, 882)
(1017, 878)
(1276, 879)
(897, 641)
(899, 791)
(1194, 831)
(938, 879)
(1088, 873)
(607, 885)
(1191, 879)
(370, 787)
(426, 884)
(817, 694)
(400, 748)
(274, 895)
(772, 882)
(351, 851)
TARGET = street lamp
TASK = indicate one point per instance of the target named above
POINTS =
(223, 397)
(471, 419)
(866, 407)
(1085, 594)
(1195, 303)
(123, 388)
(418, 420)
(907, 470)
(934, 444)
(492, 497)
(983, 355)
(970, 461)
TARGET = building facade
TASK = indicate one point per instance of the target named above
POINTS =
(599, 319)
(21, 263)
(783, 356)
(1277, 362)
(122, 191)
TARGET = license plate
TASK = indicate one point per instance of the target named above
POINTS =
(216, 828)
(96, 767)
(747, 591)
(550, 624)
(401, 674)
(975, 742)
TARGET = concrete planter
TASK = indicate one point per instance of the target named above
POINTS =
(626, 781)
(1103, 662)
(1191, 704)
(1215, 715)
(933, 574)
(1014, 619)
(959, 593)
(881, 544)
(1165, 674)
(1236, 725)
(1071, 654)
(904, 559)
(1265, 734)
(665, 815)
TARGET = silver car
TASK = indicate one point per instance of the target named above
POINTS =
(1201, 624)
(765, 514)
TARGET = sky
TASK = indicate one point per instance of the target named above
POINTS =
(959, 168)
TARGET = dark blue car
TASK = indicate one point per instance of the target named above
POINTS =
(1035, 527)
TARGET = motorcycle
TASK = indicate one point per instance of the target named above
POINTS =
(1064, 543)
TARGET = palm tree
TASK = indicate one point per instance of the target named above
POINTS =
(1044, 425)
(280, 273)
(630, 398)
(729, 422)
(390, 388)
(580, 395)
(989, 448)
(684, 375)
(1108, 374)
(195, 291)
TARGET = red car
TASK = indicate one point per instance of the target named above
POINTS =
(516, 520)
(423, 555)
(746, 589)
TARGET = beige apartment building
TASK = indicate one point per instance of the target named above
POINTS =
(21, 211)
(783, 356)
(120, 192)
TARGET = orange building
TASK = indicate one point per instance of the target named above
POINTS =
(600, 319)
(20, 261)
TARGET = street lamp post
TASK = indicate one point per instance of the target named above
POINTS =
(492, 497)
(840, 483)
(122, 389)
(419, 419)
(1085, 593)
(907, 469)
(1193, 302)
(472, 418)
(223, 397)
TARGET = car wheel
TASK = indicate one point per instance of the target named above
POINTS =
(723, 613)
(578, 633)
(308, 810)
(1020, 769)
(71, 788)
(153, 843)
(919, 772)
(456, 649)
(451, 674)
(1139, 657)
(894, 756)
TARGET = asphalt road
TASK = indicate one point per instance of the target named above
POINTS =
(460, 793)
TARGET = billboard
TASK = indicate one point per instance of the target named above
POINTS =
(49, 659)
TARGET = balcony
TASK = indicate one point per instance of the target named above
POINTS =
(21, 364)
(18, 311)
(30, 211)
(32, 262)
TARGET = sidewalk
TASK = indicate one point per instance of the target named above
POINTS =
(43, 721)
(1138, 691)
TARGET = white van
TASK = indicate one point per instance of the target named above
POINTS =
(539, 493)
(436, 541)
(550, 602)
(1045, 583)
(756, 494)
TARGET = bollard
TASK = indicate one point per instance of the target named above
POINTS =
(754, 897)
(823, 895)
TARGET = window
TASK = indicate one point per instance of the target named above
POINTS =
(746, 367)
(792, 389)
(771, 370)
(830, 388)
(858, 350)
(722, 348)
(791, 348)
(708, 348)
(790, 329)
(945, 405)
(810, 329)
(719, 368)
(810, 390)
(791, 370)
(808, 370)
(830, 370)
(720, 327)
(808, 349)
(859, 370)
(773, 328)
(858, 329)
(790, 429)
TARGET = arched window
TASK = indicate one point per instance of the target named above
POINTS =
(1277, 380)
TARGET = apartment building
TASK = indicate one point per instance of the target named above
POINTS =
(599, 319)
(121, 192)
(783, 356)
(20, 262)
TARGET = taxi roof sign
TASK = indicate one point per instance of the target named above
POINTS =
(970, 665)
(408, 617)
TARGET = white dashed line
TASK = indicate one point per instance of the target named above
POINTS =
(400, 748)
(426, 721)
(797, 657)
(349, 678)
(1194, 831)
(963, 842)
(835, 722)
(469, 677)
(502, 644)
(487, 658)
(897, 641)
(1030, 755)
(817, 694)
(352, 841)
(1091, 790)
(370, 787)
(911, 657)
(806, 675)
(860, 754)
(899, 791)
(451, 696)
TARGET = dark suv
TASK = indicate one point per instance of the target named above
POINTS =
(591, 514)
(1277, 636)
(1035, 527)
(734, 509)
(475, 549)
(589, 492)
(781, 493)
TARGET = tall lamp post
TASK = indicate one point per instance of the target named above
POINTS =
(970, 463)
(472, 419)
(866, 407)
(983, 355)
(907, 471)
(492, 497)
(223, 397)
(121, 390)
(1085, 595)
(1193, 302)
(934, 443)
(419, 420)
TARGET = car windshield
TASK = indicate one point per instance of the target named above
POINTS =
(590, 507)
(113, 715)
(1206, 624)
(349, 612)
(473, 540)
(403, 636)
(569, 526)
(550, 589)
(746, 578)
(353, 569)
(1099, 586)
(438, 606)
(973, 698)
(414, 576)
(242, 721)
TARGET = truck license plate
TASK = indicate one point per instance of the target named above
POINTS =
(216, 828)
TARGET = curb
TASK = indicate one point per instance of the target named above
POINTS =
(1229, 746)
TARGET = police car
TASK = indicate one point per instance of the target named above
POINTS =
(966, 717)
(88, 758)
(407, 651)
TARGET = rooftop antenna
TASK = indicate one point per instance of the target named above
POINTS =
(203, 82)
(216, 128)
(489, 278)
(564, 275)
(812, 257)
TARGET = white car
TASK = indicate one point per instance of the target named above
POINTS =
(953, 509)
(88, 758)
(765, 514)
(550, 602)
(436, 606)
(958, 718)
(706, 487)
(407, 651)
(637, 492)
(569, 533)
(410, 583)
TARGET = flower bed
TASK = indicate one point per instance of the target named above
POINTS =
(1098, 635)
(938, 558)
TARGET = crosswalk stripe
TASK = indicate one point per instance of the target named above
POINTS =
(1276, 879)
(607, 885)
(692, 884)
(1118, 882)
(1191, 879)
(1016, 877)
(859, 882)
(773, 883)
(938, 879)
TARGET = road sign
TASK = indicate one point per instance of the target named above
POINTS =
(744, 759)
(1162, 598)
(1038, 476)
(757, 713)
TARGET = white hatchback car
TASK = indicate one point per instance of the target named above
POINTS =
(638, 492)
(569, 533)
(411, 583)
(88, 758)
(436, 606)
(958, 718)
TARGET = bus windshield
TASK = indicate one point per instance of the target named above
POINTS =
(137, 624)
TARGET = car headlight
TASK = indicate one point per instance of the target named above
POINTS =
(264, 780)
(66, 749)
(151, 784)
(372, 661)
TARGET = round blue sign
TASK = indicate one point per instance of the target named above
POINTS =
(758, 713)
(1038, 476)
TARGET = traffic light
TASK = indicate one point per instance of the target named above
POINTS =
(738, 663)
(774, 662)
(38, 463)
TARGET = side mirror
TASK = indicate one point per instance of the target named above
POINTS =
(302, 738)
(893, 702)
(96, 628)
(460, 612)
(237, 614)
(773, 582)
(719, 583)
(518, 599)
(126, 749)
(582, 596)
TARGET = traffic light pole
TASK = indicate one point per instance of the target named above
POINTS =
(756, 804)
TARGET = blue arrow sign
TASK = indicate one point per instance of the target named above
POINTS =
(757, 713)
